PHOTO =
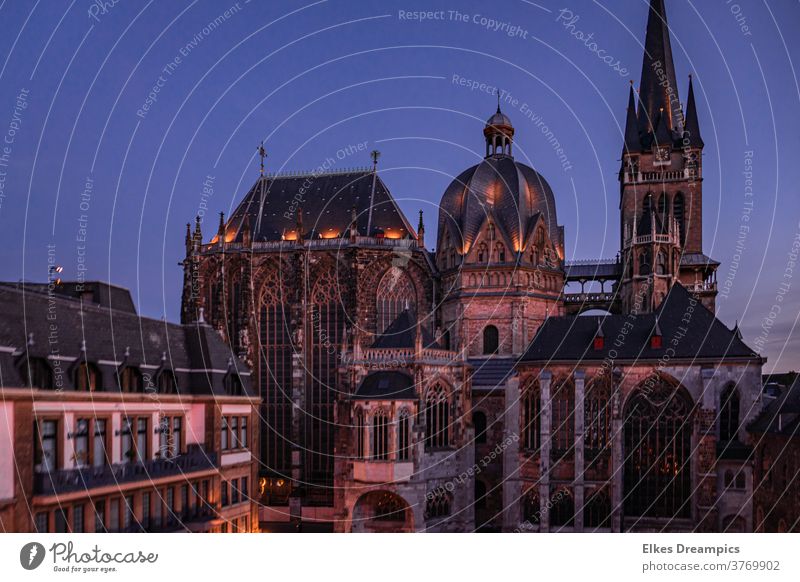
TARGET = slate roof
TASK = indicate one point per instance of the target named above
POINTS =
(592, 269)
(570, 338)
(491, 372)
(386, 385)
(402, 333)
(195, 353)
(782, 415)
(326, 200)
(697, 259)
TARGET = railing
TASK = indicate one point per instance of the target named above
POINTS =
(700, 287)
(317, 243)
(85, 478)
(589, 297)
(591, 262)
(666, 176)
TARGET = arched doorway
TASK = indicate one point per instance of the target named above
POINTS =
(657, 451)
(491, 340)
(382, 511)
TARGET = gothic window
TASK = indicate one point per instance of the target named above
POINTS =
(360, 428)
(562, 512)
(491, 231)
(483, 252)
(37, 373)
(644, 262)
(394, 295)
(380, 436)
(275, 374)
(531, 415)
(678, 212)
(729, 414)
(597, 418)
(87, 377)
(167, 383)
(404, 436)
(130, 380)
(233, 313)
(663, 209)
(661, 263)
(531, 510)
(453, 262)
(326, 318)
(437, 418)
(563, 419)
(479, 422)
(657, 441)
(437, 504)
(500, 251)
(491, 340)
(597, 511)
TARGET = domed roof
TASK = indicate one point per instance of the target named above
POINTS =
(515, 194)
(499, 118)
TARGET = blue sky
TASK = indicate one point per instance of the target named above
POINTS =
(314, 79)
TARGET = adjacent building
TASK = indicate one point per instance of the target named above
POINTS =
(112, 422)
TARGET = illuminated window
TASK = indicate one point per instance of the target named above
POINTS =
(437, 418)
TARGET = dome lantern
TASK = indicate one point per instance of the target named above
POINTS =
(499, 134)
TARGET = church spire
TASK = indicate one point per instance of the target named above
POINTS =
(692, 127)
(632, 141)
(659, 87)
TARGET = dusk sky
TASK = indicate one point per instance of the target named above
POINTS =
(336, 79)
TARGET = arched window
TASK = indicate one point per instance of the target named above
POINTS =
(657, 441)
(483, 252)
(645, 262)
(740, 481)
(395, 294)
(531, 510)
(453, 262)
(275, 371)
(728, 479)
(437, 504)
(562, 512)
(661, 263)
(500, 252)
(167, 383)
(479, 421)
(130, 380)
(360, 429)
(87, 377)
(563, 419)
(437, 418)
(380, 435)
(729, 415)
(37, 373)
(597, 418)
(404, 435)
(679, 213)
(491, 339)
(597, 511)
(663, 208)
(531, 415)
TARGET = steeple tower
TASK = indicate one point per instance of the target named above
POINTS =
(661, 195)
(659, 87)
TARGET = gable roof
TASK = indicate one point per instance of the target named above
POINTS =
(689, 331)
(402, 333)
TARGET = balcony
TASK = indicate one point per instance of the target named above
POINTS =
(86, 478)
(368, 471)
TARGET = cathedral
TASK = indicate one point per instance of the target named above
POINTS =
(470, 389)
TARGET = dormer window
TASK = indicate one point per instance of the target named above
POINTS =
(599, 343)
(87, 377)
(37, 373)
(656, 341)
(130, 380)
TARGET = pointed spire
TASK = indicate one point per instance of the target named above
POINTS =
(658, 88)
(198, 233)
(663, 135)
(692, 125)
(188, 240)
(632, 141)
(421, 231)
(221, 227)
(262, 153)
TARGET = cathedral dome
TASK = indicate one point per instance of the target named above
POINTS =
(513, 194)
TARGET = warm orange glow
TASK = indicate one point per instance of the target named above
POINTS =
(393, 234)
(290, 235)
(329, 234)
